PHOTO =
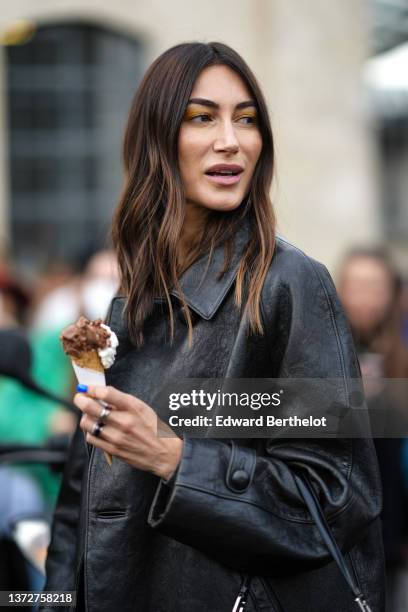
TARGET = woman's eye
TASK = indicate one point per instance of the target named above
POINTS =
(206, 117)
(248, 119)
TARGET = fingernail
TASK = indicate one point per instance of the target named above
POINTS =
(82, 388)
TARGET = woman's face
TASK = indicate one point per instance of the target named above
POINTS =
(219, 127)
(365, 290)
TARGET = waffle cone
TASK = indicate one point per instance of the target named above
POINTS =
(90, 360)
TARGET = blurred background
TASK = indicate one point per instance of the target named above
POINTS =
(335, 75)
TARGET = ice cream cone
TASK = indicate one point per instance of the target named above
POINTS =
(90, 360)
(89, 376)
(92, 348)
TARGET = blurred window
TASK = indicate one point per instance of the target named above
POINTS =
(70, 88)
(386, 77)
(393, 138)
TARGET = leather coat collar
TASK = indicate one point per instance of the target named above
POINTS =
(204, 294)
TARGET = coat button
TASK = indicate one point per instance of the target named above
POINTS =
(240, 479)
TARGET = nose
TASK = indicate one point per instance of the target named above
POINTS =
(226, 139)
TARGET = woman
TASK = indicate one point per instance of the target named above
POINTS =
(370, 289)
(209, 292)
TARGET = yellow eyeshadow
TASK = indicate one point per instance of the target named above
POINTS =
(196, 111)
(190, 114)
(249, 114)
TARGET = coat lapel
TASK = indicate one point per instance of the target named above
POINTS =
(203, 292)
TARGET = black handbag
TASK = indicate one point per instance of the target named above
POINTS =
(315, 509)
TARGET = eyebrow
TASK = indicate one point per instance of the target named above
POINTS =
(205, 102)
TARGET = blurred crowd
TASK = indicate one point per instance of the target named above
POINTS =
(41, 309)
(375, 299)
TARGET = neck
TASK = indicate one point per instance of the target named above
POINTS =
(191, 234)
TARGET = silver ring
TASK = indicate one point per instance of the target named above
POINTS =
(97, 429)
(104, 414)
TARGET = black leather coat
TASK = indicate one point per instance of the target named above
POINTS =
(145, 545)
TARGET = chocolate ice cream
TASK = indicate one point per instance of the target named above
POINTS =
(84, 336)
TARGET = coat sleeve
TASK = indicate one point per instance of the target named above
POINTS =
(62, 557)
(257, 521)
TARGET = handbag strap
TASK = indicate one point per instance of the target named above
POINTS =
(311, 501)
(242, 597)
(319, 517)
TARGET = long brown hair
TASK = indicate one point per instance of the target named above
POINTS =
(149, 217)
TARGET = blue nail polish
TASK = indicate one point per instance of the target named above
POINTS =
(82, 388)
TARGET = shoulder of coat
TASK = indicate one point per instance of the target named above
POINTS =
(288, 256)
(292, 267)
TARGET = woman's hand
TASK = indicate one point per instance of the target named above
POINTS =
(130, 431)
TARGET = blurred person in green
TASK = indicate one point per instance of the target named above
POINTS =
(26, 417)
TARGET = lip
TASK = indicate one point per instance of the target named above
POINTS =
(225, 180)
(230, 167)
